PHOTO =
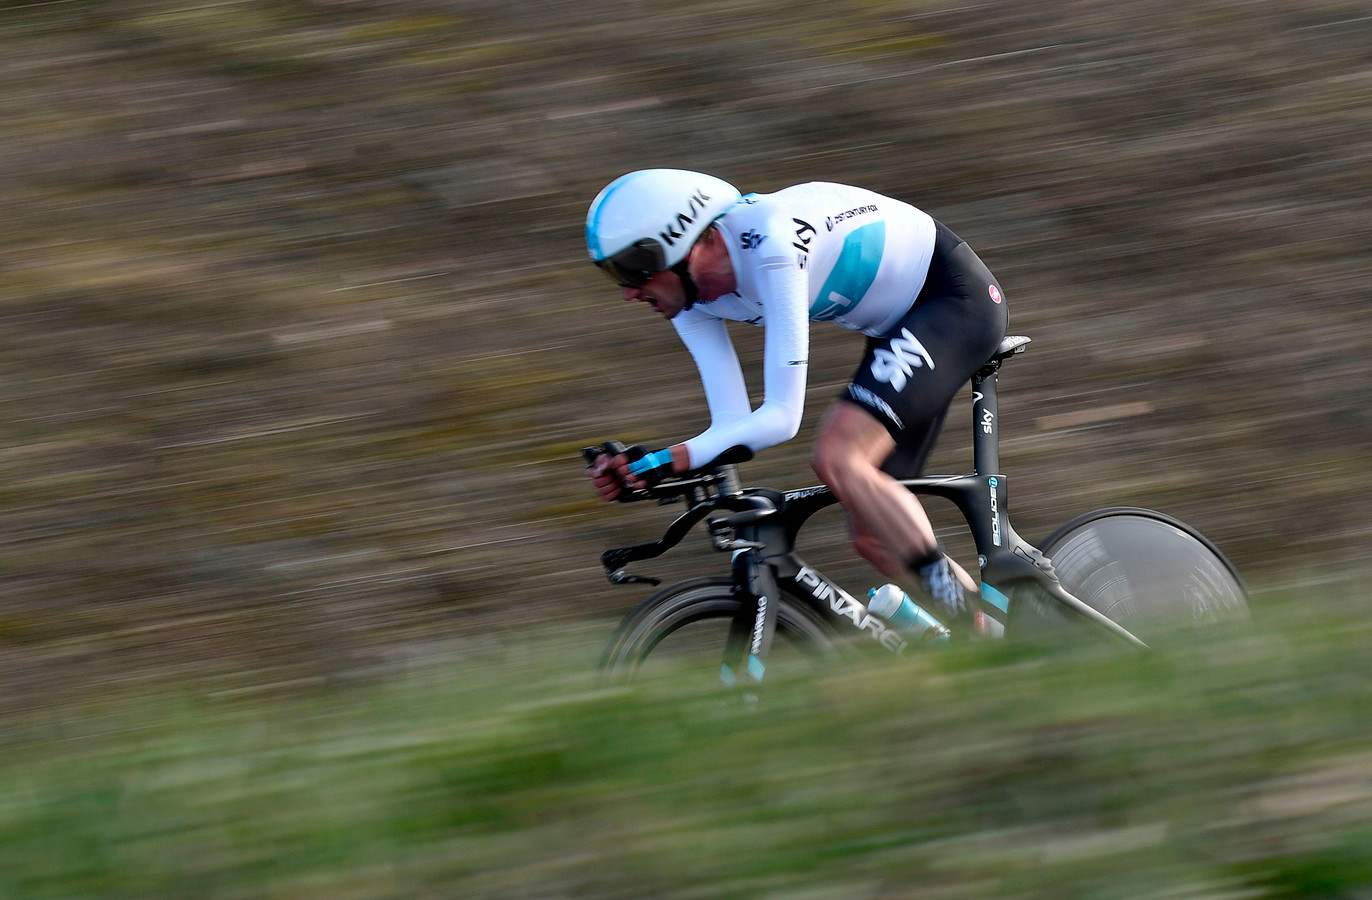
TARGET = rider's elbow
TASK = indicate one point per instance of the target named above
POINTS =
(788, 423)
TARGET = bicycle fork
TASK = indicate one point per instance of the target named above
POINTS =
(755, 623)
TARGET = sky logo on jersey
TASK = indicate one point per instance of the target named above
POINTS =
(852, 275)
(752, 240)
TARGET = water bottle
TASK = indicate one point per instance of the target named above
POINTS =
(890, 603)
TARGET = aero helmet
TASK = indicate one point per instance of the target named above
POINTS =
(647, 221)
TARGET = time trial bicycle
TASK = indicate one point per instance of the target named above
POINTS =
(1126, 574)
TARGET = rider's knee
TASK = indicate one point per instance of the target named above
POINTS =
(829, 462)
(838, 464)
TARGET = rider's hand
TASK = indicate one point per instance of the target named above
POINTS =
(615, 470)
(606, 477)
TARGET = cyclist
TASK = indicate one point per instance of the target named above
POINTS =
(700, 253)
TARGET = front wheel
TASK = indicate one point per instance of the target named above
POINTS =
(1149, 572)
(680, 631)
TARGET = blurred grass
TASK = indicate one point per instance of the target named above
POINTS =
(1239, 768)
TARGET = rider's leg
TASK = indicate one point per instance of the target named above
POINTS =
(849, 449)
(885, 424)
(893, 567)
(889, 526)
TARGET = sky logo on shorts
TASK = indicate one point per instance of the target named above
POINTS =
(895, 366)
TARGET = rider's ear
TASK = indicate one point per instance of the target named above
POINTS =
(711, 237)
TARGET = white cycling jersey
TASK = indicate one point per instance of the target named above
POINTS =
(810, 253)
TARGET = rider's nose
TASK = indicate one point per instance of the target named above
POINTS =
(630, 293)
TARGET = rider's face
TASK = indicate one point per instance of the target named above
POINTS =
(664, 292)
(711, 270)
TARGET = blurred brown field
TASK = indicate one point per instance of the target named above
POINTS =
(300, 342)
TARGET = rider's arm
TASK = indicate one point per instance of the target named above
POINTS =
(707, 339)
(782, 287)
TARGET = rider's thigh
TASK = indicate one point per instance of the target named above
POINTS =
(849, 435)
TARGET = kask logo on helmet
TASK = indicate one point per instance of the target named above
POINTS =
(694, 205)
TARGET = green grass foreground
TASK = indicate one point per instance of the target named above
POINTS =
(1241, 769)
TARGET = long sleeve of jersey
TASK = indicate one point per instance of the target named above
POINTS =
(707, 339)
(782, 290)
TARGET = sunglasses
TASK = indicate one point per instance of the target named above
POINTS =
(635, 264)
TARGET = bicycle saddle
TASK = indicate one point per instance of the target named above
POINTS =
(1009, 346)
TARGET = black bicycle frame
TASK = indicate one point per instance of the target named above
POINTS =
(762, 530)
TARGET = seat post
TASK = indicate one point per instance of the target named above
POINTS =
(986, 408)
(986, 420)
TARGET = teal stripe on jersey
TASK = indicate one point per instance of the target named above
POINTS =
(852, 275)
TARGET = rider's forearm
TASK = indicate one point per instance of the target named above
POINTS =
(784, 376)
(770, 424)
(707, 340)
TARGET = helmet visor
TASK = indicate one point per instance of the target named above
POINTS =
(635, 264)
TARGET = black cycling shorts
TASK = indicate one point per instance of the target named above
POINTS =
(909, 376)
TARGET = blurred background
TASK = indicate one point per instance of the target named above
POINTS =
(300, 341)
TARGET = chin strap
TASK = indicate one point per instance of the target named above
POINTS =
(688, 283)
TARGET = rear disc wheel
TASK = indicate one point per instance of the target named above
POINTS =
(1147, 571)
